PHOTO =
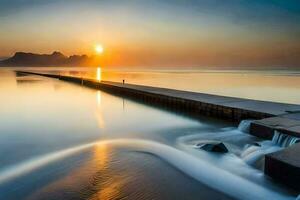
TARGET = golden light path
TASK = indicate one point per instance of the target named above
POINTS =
(99, 74)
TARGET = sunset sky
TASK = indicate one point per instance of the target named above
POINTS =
(242, 33)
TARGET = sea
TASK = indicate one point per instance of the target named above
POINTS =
(59, 140)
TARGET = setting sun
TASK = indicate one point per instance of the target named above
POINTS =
(99, 48)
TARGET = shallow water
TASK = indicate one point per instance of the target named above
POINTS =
(63, 141)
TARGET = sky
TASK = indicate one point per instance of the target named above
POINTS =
(175, 33)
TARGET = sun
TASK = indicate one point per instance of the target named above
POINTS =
(99, 49)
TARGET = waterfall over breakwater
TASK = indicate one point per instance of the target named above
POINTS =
(244, 126)
(279, 139)
(284, 140)
(254, 154)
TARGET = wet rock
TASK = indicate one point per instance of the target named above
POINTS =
(213, 146)
(256, 144)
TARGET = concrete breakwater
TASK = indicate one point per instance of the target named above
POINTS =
(230, 108)
(268, 116)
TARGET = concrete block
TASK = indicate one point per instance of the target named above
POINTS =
(284, 166)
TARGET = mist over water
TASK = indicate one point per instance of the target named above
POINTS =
(62, 141)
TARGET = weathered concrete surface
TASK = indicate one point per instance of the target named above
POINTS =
(265, 127)
(295, 115)
(284, 166)
(269, 108)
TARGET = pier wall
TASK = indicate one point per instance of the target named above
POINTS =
(207, 107)
(177, 103)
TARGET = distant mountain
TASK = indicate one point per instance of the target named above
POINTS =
(40, 60)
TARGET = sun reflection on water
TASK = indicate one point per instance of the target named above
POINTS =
(111, 188)
(99, 74)
(101, 154)
(98, 111)
(98, 98)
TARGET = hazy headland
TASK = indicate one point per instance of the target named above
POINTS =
(23, 59)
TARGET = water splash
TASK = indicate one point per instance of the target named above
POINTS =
(284, 140)
(201, 170)
(254, 155)
(244, 126)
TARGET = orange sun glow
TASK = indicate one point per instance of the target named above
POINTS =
(99, 49)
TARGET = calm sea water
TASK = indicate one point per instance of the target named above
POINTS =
(63, 141)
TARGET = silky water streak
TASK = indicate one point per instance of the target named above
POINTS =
(198, 169)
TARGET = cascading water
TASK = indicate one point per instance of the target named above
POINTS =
(244, 126)
(284, 140)
(254, 154)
